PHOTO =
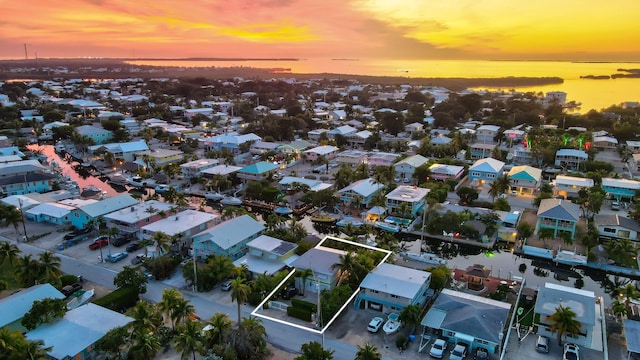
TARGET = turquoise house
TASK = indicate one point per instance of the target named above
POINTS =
(33, 182)
(620, 189)
(257, 171)
(82, 215)
(558, 215)
(229, 238)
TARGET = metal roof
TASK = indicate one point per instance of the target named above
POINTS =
(396, 280)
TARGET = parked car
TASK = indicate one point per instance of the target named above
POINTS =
(161, 188)
(375, 324)
(76, 233)
(459, 352)
(289, 292)
(438, 348)
(615, 206)
(481, 354)
(571, 352)
(138, 259)
(114, 258)
(542, 344)
(226, 285)
(70, 289)
(133, 247)
(121, 240)
(98, 243)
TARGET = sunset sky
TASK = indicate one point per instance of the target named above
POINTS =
(603, 30)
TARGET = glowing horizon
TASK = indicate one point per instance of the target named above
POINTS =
(585, 30)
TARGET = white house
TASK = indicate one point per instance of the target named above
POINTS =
(569, 186)
(407, 166)
(390, 287)
(614, 226)
(525, 179)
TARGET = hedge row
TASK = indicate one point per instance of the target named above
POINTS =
(120, 299)
(297, 303)
(299, 313)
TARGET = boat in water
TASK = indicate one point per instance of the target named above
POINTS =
(213, 196)
(283, 211)
(428, 258)
(118, 179)
(350, 220)
(392, 228)
(231, 201)
(392, 325)
(570, 258)
(323, 219)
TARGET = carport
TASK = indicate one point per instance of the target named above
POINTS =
(467, 339)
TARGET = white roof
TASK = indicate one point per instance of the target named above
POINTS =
(230, 232)
(571, 181)
(414, 161)
(54, 210)
(145, 210)
(487, 164)
(396, 280)
(314, 185)
(108, 205)
(407, 193)
(621, 183)
(15, 306)
(221, 170)
(323, 150)
(493, 128)
(445, 169)
(180, 222)
(364, 187)
(572, 152)
(199, 163)
(608, 139)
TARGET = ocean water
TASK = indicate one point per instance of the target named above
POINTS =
(593, 94)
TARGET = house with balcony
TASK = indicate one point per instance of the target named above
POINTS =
(26, 183)
(477, 321)
(525, 179)
(614, 226)
(581, 302)
(181, 227)
(258, 171)
(159, 157)
(633, 146)
(91, 211)
(570, 159)
(130, 220)
(230, 141)
(229, 238)
(559, 216)
(344, 131)
(352, 157)
(605, 143)
(486, 133)
(222, 170)
(444, 172)
(193, 169)
(390, 288)
(485, 171)
(520, 155)
(267, 255)
(406, 201)
(620, 189)
(407, 166)
(263, 147)
(96, 134)
(294, 147)
(569, 186)
(481, 150)
(360, 193)
(315, 134)
(358, 139)
(320, 260)
(327, 152)
(125, 151)
(377, 158)
(507, 225)
(513, 136)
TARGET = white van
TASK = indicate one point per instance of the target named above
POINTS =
(542, 344)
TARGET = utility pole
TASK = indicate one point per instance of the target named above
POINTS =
(24, 227)
(26, 55)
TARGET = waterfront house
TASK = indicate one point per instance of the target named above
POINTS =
(352, 157)
(222, 170)
(258, 171)
(614, 226)
(377, 158)
(558, 215)
(320, 260)
(344, 131)
(294, 147)
(525, 179)
(263, 147)
(407, 166)
(92, 211)
(474, 320)
(230, 141)
(481, 150)
(406, 201)
(485, 171)
(96, 134)
(181, 227)
(19, 303)
(130, 220)
(508, 224)
(620, 189)
(195, 168)
(315, 134)
(267, 255)
(358, 139)
(581, 302)
(289, 182)
(124, 151)
(388, 288)
(605, 143)
(229, 238)
(570, 159)
(444, 172)
(158, 157)
(74, 335)
(360, 193)
(53, 213)
(569, 186)
(487, 133)
(326, 152)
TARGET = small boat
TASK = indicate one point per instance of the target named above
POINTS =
(118, 178)
(424, 257)
(387, 227)
(81, 299)
(570, 258)
(392, 325)
(282, 211)
(324, 219)
(136, 181)
(350, 220)
(231, 200)
(213, 196)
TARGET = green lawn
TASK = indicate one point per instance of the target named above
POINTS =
(6, 274)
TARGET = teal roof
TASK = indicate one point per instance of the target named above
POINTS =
(15, 306)
(259, 168)
(525, 173)
(109, 205)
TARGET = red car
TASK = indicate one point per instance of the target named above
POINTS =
(98, 243)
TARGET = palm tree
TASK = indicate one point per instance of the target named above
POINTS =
(313, 350)
(145, 243)
(220, 328)
(618, 308)
(622, 251)
(49, 267)
(368, 352)
(564, 321)
(8, 252)
(628, 292)
(345, 266)
(145, 346)
(162, 241)
(11, 216)
(146, 318)
(410, 315)
(183, 311)
(27, 271)
(249, 339)
(239, 293)
(170, 298)
(30, 350)
(189, 339)
(304, 275)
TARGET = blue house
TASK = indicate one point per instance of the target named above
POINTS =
(570, 158)
(54, 213)
(34, 182)
(620, 189)
(15, 306)
(558, 215)
(82, 215)
(257, 171)
(98, 135)
(231, 142)
(360, 193)
(485, 171)
(229, 238)
(389, 288)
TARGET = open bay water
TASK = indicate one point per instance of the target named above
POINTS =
(593, 94)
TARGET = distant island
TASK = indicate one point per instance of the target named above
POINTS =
(120, 68)
(629, 73)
